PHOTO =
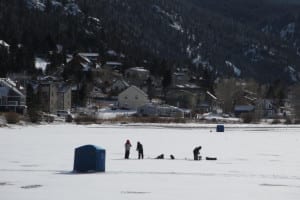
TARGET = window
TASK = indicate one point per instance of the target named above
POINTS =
(125, 97)
(136, 97)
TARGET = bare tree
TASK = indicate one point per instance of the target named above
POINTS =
(295, 101)
(232, 92)
(225, 91)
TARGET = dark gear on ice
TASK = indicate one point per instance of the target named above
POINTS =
(161, 156)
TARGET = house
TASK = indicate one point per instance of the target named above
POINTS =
(132, 98)
(93, 57)
(64, 97)
(119, 86)
(137, 75)
(182, 98)
(267, 108)
(96, 93)
(241, 109)
(108, 77)
(179, 78)
(48, 96)
(154, 110)
(210, 103)
(55, 96)
(11, 97)
(112, 65)
(80, 62)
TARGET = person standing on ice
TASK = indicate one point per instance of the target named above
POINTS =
(127, 149)
(196, 153)
(139, 148)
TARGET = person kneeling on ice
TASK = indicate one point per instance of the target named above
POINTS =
(161, 156)
(139, 148)
(127, 149)
(196, 153)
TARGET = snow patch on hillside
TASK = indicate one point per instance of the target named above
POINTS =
(288, 31)
(235, 69)
(173, 18)
(36, 4)
(253, 53)
(70, 8)
(177, 26)
(293, 74)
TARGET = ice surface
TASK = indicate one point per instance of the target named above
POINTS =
(254, 162)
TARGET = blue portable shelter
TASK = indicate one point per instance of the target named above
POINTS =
(220, 128)
(89, 158)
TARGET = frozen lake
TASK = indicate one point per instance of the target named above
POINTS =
(253, 163)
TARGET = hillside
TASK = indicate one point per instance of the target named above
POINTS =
(250, 39)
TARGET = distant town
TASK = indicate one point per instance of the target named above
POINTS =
(85, 88)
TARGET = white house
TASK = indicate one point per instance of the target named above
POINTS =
(132, 98)
(11, 98)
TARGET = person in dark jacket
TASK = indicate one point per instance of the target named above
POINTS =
(196, 153)
(139, 148)
(127, 149)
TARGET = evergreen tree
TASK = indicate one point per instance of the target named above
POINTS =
(33, 104)
(167, 80)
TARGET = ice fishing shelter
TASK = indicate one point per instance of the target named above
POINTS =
(89, 158)
(220, 128)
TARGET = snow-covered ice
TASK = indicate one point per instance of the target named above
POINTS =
(254, 162)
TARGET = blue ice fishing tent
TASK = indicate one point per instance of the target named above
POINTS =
(220, 128)
(89, 158)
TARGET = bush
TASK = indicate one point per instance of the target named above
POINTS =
(35, 116)
(48, 118)
(69, 118)
(276, 121)
(288, 121)
(12, 118)
(247, 117)
(297, 121)
(86, 119)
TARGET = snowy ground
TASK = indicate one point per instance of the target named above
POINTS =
(256, 163)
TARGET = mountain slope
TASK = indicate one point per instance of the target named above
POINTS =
(250, 38)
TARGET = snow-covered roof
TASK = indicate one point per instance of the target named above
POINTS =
(188, 86)
(244, 108)
(89, 54)
(138, 69)
(179, 73)
(113, 63)
(122, 82)
(4, 44)
(211, 95)
(11, 85)
(112, 53)
(136, 89)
